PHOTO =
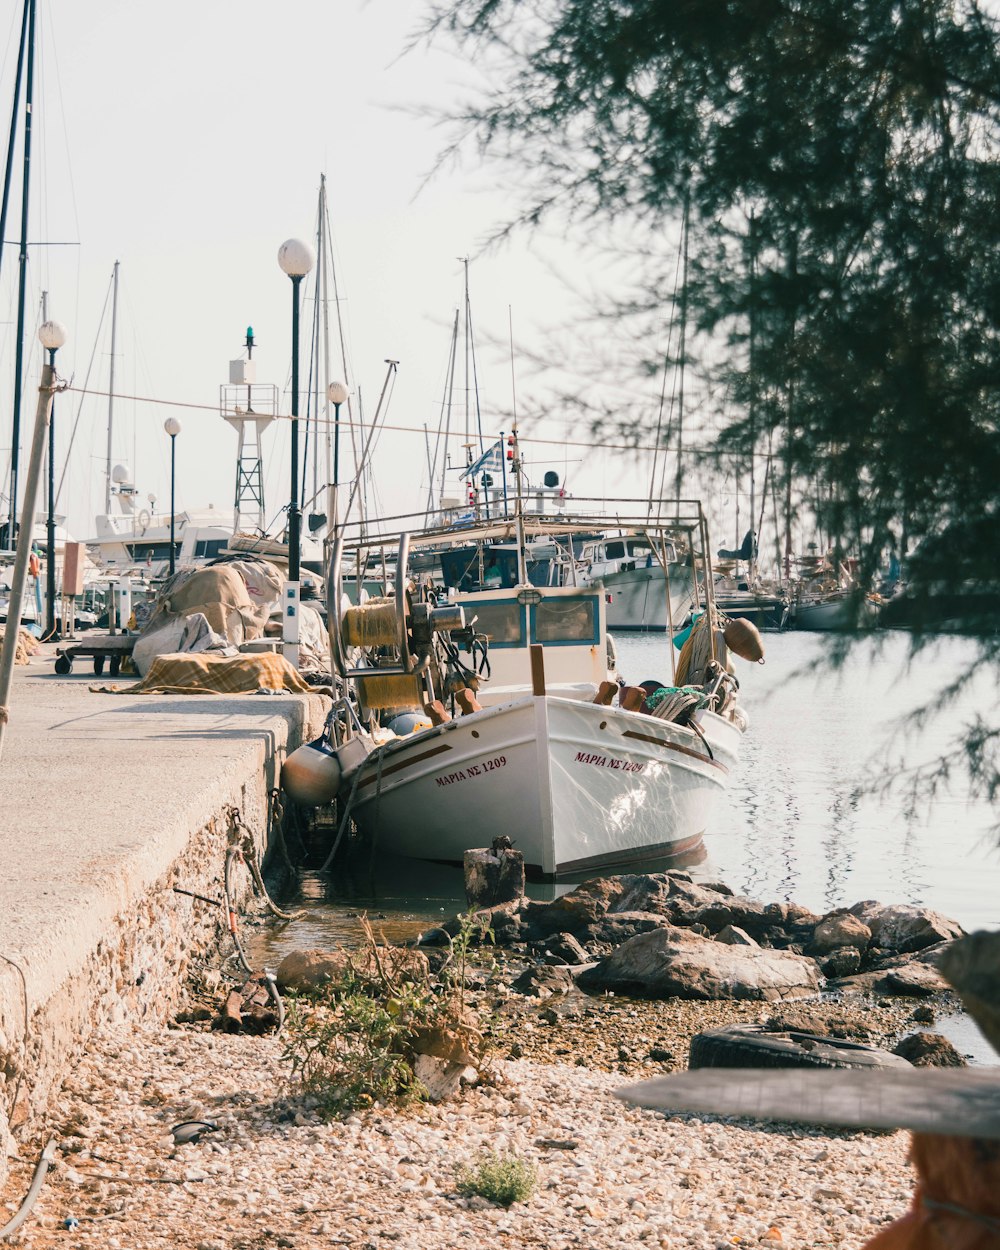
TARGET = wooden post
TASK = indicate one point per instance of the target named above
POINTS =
(537, 669)
(493, 876)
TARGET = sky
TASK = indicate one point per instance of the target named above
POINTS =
(187, 142)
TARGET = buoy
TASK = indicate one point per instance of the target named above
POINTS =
(743, 637)
(311, 774)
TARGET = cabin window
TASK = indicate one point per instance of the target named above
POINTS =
(208, 548)
(614, 551)
(503, 622)
(639, 550)
(566, 620)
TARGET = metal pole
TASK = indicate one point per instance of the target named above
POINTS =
(290, 631)
(111, 391)
(173, 481)
(9, 648)
(23, 263)
(50, 528)
(13, 127)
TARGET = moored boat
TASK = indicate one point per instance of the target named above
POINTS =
(479, 704)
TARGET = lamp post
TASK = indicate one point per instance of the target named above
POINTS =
(173, 428)
(296, 259)
(336, 393)
(51, 335)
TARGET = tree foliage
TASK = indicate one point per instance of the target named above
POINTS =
(838, 161)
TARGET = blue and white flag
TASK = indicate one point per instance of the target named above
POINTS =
(491, 461)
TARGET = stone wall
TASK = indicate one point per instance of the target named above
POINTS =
(138, 967)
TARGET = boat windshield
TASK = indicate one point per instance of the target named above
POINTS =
(461, 570)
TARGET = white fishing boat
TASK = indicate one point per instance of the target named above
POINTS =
(478, 704)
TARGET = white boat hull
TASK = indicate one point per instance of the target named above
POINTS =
(636, 599)
(574, 785)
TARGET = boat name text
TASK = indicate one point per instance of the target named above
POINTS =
(473, 770)
(608, 761)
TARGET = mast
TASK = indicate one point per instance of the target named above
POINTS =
(111, 388)
(22, 279)
(752, 561)
(331, 508)
(8, 173)
(682, 349)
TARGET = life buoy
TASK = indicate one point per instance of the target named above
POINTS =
(34, 565)
(143, 519)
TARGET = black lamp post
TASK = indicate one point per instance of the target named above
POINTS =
(336, 392)
(51, 335)
(173, 428)
(296, 259)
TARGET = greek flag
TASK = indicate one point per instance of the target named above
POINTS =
(491, 461)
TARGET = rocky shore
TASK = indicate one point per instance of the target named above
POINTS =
(576, 998)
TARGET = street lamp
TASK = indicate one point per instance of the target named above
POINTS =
(173, 428)
(296, 259)
(51, 335)
(336, 393)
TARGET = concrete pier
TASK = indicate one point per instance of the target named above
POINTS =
(107, 801)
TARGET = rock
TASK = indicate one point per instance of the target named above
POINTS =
(906, 929)
(566, 949)
(312, 969)
(923, 1015)
(839, 928)
(733, 935)
(670, 963)
(442, 1079)
(929, 1050)
(915, 980)
(745, 913)
(842, 962)
(618, 927)
(544, 982)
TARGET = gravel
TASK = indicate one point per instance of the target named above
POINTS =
(275, 1175)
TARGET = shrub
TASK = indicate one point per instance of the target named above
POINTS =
(353, 1042)
(503, 1179)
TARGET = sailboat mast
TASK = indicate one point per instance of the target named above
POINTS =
(111, 389)
(8, 173)
(682, 349)
(331, 508)
(465, 265)
(22, 280)
(752, 562)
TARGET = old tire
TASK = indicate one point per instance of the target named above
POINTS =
(752, 1046)
(98, 665)
(64, 665)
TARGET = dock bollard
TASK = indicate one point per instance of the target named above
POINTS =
(494, 875)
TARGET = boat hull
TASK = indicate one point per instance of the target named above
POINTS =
(636, 599)
(576, 786)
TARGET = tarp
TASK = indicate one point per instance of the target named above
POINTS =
(211, 674)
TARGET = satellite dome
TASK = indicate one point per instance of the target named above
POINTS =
(121, 474)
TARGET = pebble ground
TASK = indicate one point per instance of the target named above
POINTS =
(275, 1175)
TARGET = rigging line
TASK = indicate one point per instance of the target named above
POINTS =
(663, 391)
(446, 405)
(83, 392)
(346, 378)
(400, 429)
(475, 376)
